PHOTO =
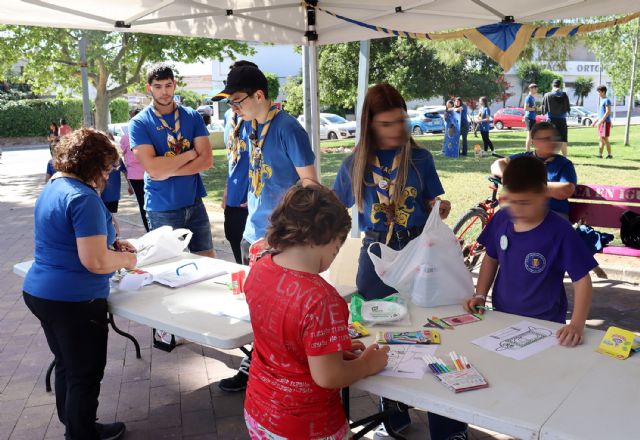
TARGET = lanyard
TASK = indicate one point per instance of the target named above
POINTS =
(175, 142)
(257, 143)
(235, 144)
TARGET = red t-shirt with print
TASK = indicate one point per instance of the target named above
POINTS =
(294, 315)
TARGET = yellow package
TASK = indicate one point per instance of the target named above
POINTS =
(616, 343)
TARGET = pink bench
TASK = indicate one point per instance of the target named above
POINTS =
(601, 206)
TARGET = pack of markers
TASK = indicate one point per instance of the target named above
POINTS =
(460, 377)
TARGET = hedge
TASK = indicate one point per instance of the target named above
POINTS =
(119, 109)
(31, 117)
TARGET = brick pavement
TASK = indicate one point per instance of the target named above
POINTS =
(161, 396)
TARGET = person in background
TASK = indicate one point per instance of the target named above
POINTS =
(234, 198)
(135, 172)
(530, 113)
(484, 123)
(53, 135)
(556, 106)
(66, 288)
(65, 129)
(603, 123)
(461, 108)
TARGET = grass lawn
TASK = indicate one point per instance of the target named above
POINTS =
(464, 179)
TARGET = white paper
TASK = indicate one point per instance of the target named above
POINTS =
(519, 341)
(190, 271)
(135, 281)
(405, 361)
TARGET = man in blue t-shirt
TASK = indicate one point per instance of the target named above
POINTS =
(279, 155)
(234, 199)
(171, 143)
(561, 174)
(603, 123)
(530, 112)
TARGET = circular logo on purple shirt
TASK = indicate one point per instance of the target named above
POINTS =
(535, 262)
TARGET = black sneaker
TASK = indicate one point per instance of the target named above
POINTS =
(609, 157)
(111, 431)
(239, 381)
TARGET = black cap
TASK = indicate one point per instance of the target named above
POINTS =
(243, 78)
(556, 83)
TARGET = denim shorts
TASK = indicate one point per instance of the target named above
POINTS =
(194, 218)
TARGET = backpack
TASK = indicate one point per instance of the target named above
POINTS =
(630, 229)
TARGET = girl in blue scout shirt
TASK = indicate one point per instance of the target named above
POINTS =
(484, 120)
(393, 182)
(464, 124)
(66, 288)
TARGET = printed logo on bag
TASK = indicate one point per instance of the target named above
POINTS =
(535, 262)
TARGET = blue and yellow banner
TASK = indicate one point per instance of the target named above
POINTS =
(503, 42)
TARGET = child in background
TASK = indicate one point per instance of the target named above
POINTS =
(302, 353)
(531, 248)
(603, 123)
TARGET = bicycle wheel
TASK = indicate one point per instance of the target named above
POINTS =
(467, 230)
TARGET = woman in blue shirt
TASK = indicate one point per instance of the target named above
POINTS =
(66, 288)
(464, 124)
(393, 183)
(484, 121)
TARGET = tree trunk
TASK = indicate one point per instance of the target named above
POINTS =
(102, 110)
(632, 98)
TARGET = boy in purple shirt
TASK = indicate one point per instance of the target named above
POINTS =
(531, 248)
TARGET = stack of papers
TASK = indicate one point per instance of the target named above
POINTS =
(175, 274)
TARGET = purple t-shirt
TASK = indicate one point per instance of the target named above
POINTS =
(532, 267)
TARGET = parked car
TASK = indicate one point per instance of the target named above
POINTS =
(333, 126)
(205, 110)
(118, 130)
(581, 116)
(425, 122)
(511, 117)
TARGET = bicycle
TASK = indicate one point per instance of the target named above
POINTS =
(471, 224)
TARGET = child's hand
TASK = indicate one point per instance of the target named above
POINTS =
(570, 335)
(470, 305)
(356, 346)
(375, 358)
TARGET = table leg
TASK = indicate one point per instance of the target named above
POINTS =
(246, 351)
(125, 334)
(47, 378)
(369, 423)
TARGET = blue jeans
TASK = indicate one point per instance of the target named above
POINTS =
(194, 218)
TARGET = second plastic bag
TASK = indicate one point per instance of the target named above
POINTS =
(430, 269)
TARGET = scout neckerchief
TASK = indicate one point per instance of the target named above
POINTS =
(235, 144)
(385, 185)
(175, 142)
(257, 142)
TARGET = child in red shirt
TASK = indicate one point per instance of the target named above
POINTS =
(302, 354)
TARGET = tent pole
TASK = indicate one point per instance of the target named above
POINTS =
(86, 106)
(306, 94)
(363, 85)
(632, 98)
(314, 105)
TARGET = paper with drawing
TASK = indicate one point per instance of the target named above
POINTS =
(519, 341)
(405, 361)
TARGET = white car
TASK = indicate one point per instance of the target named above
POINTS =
(333, 126)
(118, 130)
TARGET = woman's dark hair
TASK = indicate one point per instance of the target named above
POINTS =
(525, 174)
(308, 215)
(159, 72)
(63, 121)
(87, 153)
(484, 101)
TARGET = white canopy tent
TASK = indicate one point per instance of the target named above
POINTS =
(294, 22)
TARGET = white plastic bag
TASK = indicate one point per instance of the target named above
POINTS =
(161, 244)
(430, 269)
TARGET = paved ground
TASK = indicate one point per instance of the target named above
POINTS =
(163, 395)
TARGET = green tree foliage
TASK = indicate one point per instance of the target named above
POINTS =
(119, 109)
(582, 87)
(31, 117)
(529, 72)
(115, 60)
(545, 80)
(614, 49)
(273, 85)
(294, 103)
(189, 98)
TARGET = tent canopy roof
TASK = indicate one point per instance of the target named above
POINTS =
(283, 21)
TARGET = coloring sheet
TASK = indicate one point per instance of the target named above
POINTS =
(405, 361)
(519, 341)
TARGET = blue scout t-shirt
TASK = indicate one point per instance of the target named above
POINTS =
(606, 102)
(559, 169)
(286, 147)
(178, 191)
(485, 113)
(238, 173)
(50, 169)
(530, 101)
(532, 267)
(111, 191)
(464, 118)
(67, 209)
(421, 186)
